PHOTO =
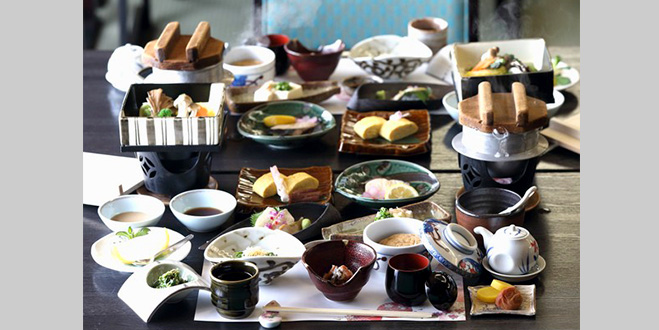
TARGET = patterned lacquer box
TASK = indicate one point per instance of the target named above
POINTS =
(172, 131)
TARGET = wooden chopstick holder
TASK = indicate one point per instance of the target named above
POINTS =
(521, 104)
(198, 41)
(167, 40)
(485, 106)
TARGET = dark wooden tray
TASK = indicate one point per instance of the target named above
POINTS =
(419, 143)
(240, 99)
(364, 97)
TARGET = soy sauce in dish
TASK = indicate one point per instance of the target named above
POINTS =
(130, 216)
(203, 211)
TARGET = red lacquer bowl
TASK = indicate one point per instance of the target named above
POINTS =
(312, 65)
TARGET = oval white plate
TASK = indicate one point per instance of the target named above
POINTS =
(570, 73)
(516, 278)
(101, 251)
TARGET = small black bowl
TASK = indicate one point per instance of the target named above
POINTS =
(441, 290)
(322, 215)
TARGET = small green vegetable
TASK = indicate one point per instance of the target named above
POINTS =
(169, 279)
(145, 110)
(129, 234)
(383, 213)
(165, 113)
(238, 254)
(555, 60)
(283, 86)
(380, 95)
(561, 80)
(305, 223)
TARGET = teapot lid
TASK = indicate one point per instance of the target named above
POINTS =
(513, 232)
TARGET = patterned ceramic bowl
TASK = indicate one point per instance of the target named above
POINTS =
(351, 182)
(287, 249)
(390, 56)
(251, 123)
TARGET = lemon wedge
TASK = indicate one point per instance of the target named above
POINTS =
(141, 247)
(275, 120)
(487, 294)
(499, 285)
(398, 191)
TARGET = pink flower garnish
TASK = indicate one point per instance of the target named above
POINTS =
(398, 115)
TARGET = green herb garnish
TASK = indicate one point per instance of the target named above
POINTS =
(129, 234)
(166, 112)
(169, 279)
(283, 86)
(238, 254)
(383, 213)
(380, 95)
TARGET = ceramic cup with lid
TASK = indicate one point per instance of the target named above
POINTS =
(511, 250)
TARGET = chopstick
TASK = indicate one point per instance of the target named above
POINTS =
(273, 306)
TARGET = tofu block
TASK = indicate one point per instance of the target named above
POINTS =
(267, 92)
(369, 127)
(393, 130)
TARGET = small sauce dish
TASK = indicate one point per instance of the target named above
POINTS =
(203, 210)
(134, 211)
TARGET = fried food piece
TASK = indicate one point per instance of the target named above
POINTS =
(338, 275)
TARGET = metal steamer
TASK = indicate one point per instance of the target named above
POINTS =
(500, 143)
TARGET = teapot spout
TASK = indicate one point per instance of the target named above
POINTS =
(487, 235)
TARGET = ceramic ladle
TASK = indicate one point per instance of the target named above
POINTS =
(522, 202)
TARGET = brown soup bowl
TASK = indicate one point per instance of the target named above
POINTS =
(312, 65)
(480, 207)
(358, 257)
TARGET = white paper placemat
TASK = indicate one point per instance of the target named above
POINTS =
(103, 174)
(295, 289)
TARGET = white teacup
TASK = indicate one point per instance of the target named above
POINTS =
(250, 65)
(431, 31)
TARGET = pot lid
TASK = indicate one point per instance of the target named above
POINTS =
(173, 51)
(453, 246)
(515, 111)
(538, 150)
(513, 232)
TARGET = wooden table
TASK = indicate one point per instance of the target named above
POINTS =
(555, 223)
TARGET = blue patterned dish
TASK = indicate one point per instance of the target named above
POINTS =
(453, 246)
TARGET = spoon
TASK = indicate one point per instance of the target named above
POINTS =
(164, 252)
(522, 202)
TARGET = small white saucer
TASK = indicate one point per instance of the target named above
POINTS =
(517, 278)
(144, 300)
(102, 251)
(450, 102)
(569, 72)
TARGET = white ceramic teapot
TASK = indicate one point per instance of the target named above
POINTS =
(511, 250)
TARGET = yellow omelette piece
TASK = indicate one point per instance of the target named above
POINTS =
(300, 181)
(369, 127)
(393, 130)
(265, 186)
(499, 285)
(275, 120)
(487, 294)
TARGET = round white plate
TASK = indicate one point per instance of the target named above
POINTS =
(516, 278)
(570, 73)
(101, 251)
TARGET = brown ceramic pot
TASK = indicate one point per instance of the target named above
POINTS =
(480, 207)
(358, 257)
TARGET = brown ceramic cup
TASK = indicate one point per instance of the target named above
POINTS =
(480, 207)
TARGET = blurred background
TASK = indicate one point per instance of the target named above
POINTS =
(109, 24)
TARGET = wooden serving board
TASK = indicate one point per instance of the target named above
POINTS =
(173, 51)
(565, 132)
